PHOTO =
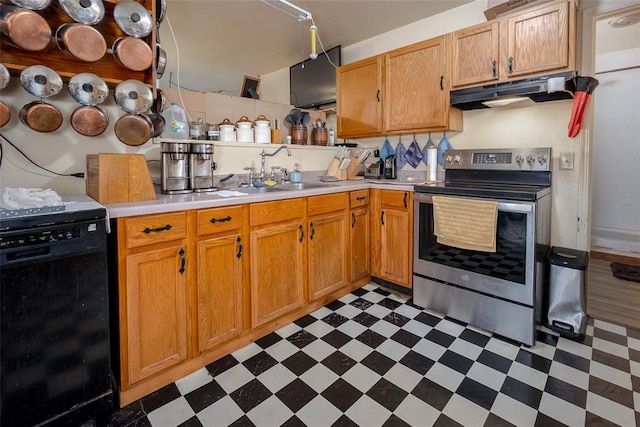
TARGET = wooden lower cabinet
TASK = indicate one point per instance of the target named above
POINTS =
(392, 236)
(328, 244)
(153, 301)
(277, 246)
(359, 236)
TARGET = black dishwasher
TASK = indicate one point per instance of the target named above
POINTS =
(54, 323)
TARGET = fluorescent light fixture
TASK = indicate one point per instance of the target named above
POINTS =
(503, 102)
(290, 9)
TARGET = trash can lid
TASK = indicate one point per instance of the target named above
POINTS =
(570, 258)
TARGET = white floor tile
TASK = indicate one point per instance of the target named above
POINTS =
(221, 413)
(601, 324)
(445, 376)
(465, 411)
(635, 368)
(610, 374)
(417, 328)
(282, 350)
(487, 376)
(247, 352)
(319, 329)
(385, 328)
(366, 412)
(233, 378)
(611, 348)
(348, 311)
(570, 375)
(502, 348)
(356, 350)
(271, 412)
(610, 410)
(513, 411)
(562, 410)
(361, 377)
(415, 412)
(288, 330)
(450, 328)
(633, 343)
(636, 401)
(574, 347)
(319, 377)
(172, 414)
(323, 312)
(528, 375)
(378, 311)
(466, 349)
(393, 350)
(276, 378)
(541, 349)
(373, 297)
(318, 413)
(194, 381)
(348, 298)
(429, 349)
(351, 328)
(319, 350)
(403, 377)
(407, 311)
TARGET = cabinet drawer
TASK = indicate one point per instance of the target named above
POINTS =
(318, 205)
(359, 198)
(395, 199)
(218, 219)
(148, 230)
(277, 211)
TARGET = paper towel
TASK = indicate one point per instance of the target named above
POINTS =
(432, 162)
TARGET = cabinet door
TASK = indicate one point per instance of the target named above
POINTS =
(359, 96)
(416, 92)
(474, 54)
(395, 246)
(277, 270)
(155, 307)
(328, 253)
(537, 40)
(219, 290)
(359, 237)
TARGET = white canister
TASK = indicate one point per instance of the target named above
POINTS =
(262, 135)
(244, 134)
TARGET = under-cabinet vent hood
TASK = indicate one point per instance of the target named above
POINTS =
(552, 87)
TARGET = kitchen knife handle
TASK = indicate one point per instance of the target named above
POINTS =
(183, 261)
(382, 218)
(301, 233)
(239, 242)
(353, 220)
(313, 231)
(404, 201)
(156, 230)
(494, 69)
(441, 82)
(225, 219)
(510, 65)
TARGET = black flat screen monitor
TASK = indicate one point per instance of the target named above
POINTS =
(313, 82)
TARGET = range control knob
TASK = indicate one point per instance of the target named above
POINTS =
(542, 159)
(457, 158)
(448, 159)
(530, 159)
(519, 159)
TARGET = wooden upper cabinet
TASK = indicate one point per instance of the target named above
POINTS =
(474, 54)
(417, 87)
(539, 40)
(359, 93)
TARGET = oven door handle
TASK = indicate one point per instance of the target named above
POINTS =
(502, 206)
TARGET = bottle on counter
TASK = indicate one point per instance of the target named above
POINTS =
(177, 126)
(296, 176)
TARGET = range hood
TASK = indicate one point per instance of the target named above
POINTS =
(536, 89)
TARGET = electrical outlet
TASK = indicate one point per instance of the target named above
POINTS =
(566, 161)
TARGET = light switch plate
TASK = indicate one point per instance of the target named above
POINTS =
(566, 161)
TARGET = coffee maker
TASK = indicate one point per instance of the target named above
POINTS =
(175, 167)
(201, 165)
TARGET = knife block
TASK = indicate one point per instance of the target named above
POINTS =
(117, 178)
(352, 171)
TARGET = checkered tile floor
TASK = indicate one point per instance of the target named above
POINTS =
(372, 358)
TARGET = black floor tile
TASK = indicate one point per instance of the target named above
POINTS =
(474, 337)
(441, 338)
(394, 421)
(495, 421)
(428, 319)
(572, 360)
(299, 363)
(444, 421)
(387, 394)
(334, 305)
(366, 319)
(456, 321)
(250, 395)
(495, 361)
(371, 338)
(405, 338)
(360, 303)
(336, 338)
(243, 421)
(123, 416)
(416, 361)
(342, 394)
(344, 421)
(522, 392)
(544, 421)
(296, 394)
(478, 393)
(566, 391)
(338, 362)
(359, 292)
(334, 319)
(378, 363)
(389, 303)
(547, 338)
(432, 393)
(294, 421)
(301, 338)
(221, 365)
(534, 361)
(204, 396)
(382, 291)
(192, 422)
(259, 363)
(305, 321)
(456, 362)
(268, 340)
(160, 398)
(396, 319)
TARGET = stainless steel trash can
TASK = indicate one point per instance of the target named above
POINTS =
(567, 292)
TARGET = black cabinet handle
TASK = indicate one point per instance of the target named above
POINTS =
(382, 218)
(378, 95)
(214, 220)
(510, 65)
(361, 198)
(301, 233)
(405, 199)
(313, 231)
(353, 220)
(183, 261)
(494, 69)
(156, 230)
(441, 82)
(239, 242)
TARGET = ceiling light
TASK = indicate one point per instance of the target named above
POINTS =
(290, 9)
(625, 20)
(503, 102)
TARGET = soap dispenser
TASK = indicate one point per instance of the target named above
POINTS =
(296, 176)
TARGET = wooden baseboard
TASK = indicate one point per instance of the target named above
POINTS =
(615, 257)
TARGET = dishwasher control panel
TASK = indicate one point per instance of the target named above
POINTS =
(37, 237)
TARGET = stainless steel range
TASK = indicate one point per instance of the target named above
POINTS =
(502, 288)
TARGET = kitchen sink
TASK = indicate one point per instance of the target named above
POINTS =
(289, 186)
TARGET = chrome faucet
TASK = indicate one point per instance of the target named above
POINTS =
(264, 154)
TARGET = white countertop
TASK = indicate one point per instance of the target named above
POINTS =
(179, 202)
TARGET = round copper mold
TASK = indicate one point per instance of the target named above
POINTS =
(89, 120)
(81, 41)
(133, 129)
(24, 28)
(132, 53)
(5, 114)
(41, 117)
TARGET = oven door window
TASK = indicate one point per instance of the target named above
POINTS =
(508, 262)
